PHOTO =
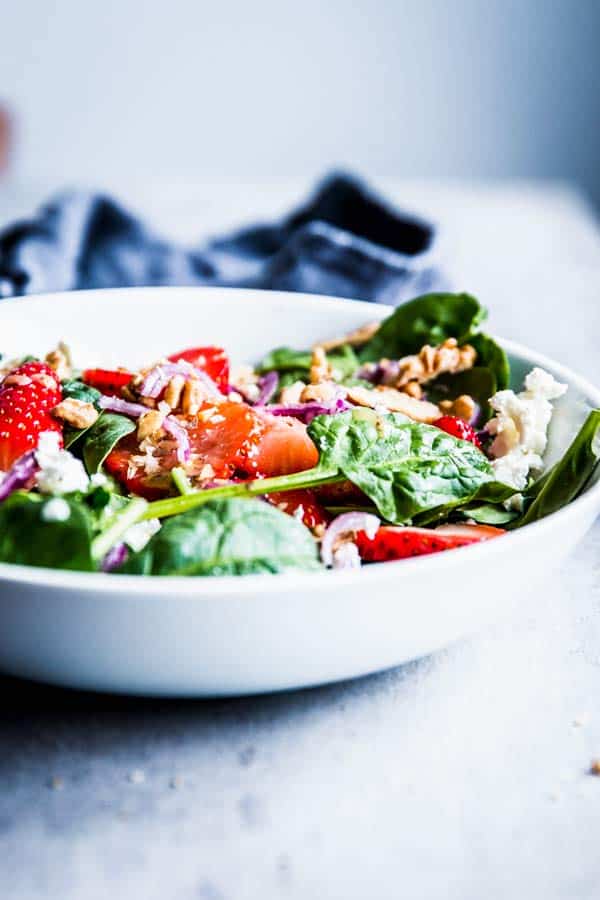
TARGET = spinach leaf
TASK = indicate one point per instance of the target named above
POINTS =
(102, 437)
(227, 537)
(28, 538)
(489, 493)
(429, 319)
(404, 467)
(489, 514)
(78, 391)
(568, 477)
(479, 382)
(284, 360)
(492, 355)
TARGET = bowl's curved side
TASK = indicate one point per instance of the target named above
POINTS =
(176, 644)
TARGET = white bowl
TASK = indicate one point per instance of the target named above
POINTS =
(209, 636)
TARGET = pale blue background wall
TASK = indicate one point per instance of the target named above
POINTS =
(470, 87)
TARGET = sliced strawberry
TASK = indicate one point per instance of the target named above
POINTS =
(392, 542)
(301, 504)
(458, 428)
(107, 381)
(212, 360)
(234, 439)
(27, 395)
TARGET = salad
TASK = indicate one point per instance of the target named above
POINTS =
(400, 439)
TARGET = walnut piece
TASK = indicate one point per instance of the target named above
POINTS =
(325, 392)
(174, 390)
(193, 397)
(76, 412)
(320, 370)
(355, 338)
(394, 401)
(60, 360)
(463, 407)
(291, 394)
(150, 423)
(430, 362)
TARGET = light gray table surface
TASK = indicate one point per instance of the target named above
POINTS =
(458, 777)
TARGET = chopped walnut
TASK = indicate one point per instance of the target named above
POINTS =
(322, 393)
(193, 397)
(464, 407)
(320, 370)
(291, 394)
(430, 362)
(76, 412)
(174, 390)
(355, 338)
(150, 424)
(413, 389)
(60, 360)
(394, 401)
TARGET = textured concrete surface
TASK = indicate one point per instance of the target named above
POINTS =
(461, 776)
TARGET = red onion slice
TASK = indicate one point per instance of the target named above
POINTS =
(157, 378)
(306, 412)
(115, 404)
(347, 523)
(19, 474)
(180, 435)
(115, 557)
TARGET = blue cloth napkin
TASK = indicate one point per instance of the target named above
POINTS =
(344, 241)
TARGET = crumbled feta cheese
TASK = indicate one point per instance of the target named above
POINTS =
(521, 427)
(60, 472)
(55, 510)
(346, 556)
(98, 479)
(137, 536)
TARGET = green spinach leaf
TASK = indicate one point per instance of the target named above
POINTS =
(284, 360)
(227, 537)
(491, 355)
(102, 437)
(429, 319)
(568, 477)
(31, 536)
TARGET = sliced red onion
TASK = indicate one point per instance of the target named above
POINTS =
(267, 385)
(115, 557)
(154, 383)
(19, 474)
(180, 435)
(306, 412)
(347, 523)
(157, 378)
(346, 556)
(115, 404)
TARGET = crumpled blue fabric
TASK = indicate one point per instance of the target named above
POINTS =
(345, 241)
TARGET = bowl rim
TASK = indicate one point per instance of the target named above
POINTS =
(296, 581)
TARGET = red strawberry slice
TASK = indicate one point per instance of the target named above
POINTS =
(393, 542)
(212, 360)
(458, 428)
(27, 396)
(107, 381)
(302, 504)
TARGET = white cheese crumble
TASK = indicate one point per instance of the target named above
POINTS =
(521, 427)
(56, 510)
(60, 472)
(137, 536)
(98, 479)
